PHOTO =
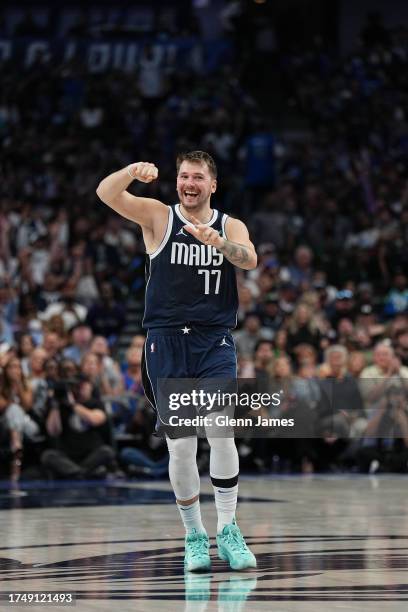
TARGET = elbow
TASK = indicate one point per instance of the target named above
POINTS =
(99, 192)
(253, 262)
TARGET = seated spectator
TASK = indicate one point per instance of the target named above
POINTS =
(16, 400)
(74, 425)
(246, 302)
(5, 449)
(81, 338)
(344, 306)
(15, 387)
(25, 348)
(305, 354)
(252, 331)
(385, 372)
(280, 342)
(345, 332)
(385, 444)
(35, 368)
(8, 311)
(110, 369)
(264, 364)
(138, 341)
(125, 409)
(401, 346)
(56, 324)
(302, 329)
(52, 344)
(91, 367)
(300, 449)
(345, 417)
(306, 385)
(11, 443)
(270, 313)
(71, 312)
(356, 363)
(301, 271)
(396, 300)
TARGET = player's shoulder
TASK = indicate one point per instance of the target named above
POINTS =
(234, 225)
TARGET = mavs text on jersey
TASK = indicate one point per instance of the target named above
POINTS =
(189, 282)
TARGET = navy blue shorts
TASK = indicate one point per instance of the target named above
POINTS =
(200, 353)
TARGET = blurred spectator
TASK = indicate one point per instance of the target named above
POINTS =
(280, 343)
(263, 362)
(106, 317)
(302, 329)
(81, 338)
(269, 312)
(386, 372)
(109, 368)
(72, 313)
(25, 349)
(356, 363)
(346, 411)
(396, 300)
(301, 272)
(385, 445)
(252, 331)
(52, 344)
(74, 424)
(401, 346)
(91, 367)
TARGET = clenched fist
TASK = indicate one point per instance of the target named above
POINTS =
(143, 171)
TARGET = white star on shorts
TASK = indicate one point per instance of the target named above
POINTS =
(185, 329)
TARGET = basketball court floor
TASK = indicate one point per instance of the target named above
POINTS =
(323, 543)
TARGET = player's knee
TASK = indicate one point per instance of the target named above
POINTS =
(180, 448)
(222, 444)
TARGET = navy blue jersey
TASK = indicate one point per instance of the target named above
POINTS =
(188, 281)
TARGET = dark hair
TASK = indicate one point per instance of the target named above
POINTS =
(197, 157)
(262, 341)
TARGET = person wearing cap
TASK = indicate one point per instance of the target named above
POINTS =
(344, 306)
(270, 313)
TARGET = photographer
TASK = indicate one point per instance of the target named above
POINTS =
(75, 423)
(385, 444)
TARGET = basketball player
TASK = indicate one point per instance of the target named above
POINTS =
(191, 305)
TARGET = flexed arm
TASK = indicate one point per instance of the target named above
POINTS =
(112, 191)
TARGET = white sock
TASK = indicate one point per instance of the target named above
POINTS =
(226, 504)
(191, 517)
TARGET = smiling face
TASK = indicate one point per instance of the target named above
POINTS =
(195, 185)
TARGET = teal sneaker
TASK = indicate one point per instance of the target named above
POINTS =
(197, 556)
(232, 548)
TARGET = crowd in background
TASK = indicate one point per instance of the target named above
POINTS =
(325, 312)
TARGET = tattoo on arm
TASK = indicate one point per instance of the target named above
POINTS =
(236, 253)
